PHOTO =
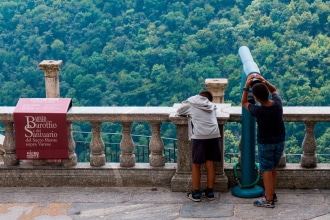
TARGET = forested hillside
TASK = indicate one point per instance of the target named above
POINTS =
(159, 52)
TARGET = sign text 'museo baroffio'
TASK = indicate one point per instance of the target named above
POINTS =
(41, 128)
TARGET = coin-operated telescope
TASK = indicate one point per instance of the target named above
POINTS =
(247, 184)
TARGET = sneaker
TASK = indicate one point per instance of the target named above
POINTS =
(275, 197)
(209, 194)
(264, 203)
(194, 196)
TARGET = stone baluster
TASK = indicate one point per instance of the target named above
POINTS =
(156, 146)
(282, 160)
(9, 146)
(72, 161)
(308, 159)
(97, 155)
(127, 158)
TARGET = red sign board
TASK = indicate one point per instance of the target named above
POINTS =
(40, 128)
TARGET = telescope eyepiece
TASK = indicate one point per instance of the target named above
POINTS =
(255, 81)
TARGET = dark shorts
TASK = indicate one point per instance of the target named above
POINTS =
(269, 155)
(206, 149)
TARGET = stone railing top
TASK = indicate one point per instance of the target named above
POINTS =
(123, 114)
(6, 113)
(225, 112)
(106, 114)
(220, 114)
(290, 113)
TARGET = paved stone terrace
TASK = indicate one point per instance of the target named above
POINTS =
(65, 203)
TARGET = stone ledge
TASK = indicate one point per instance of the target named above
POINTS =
(293, 176)
(83, 175)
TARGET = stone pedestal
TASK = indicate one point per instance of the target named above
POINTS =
(182, 181)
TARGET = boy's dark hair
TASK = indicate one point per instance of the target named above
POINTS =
(206, 94)
(260, 91)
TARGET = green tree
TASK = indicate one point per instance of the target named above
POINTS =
(58, 50)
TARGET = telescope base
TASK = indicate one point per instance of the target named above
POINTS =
(256, 191)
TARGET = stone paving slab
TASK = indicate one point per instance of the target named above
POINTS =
(96, 203)
(204, 210)
(125, 211)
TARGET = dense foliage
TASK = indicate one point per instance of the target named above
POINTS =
(157, 53)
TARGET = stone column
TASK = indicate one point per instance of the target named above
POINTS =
(51, 70)
(51, 73)
(308, 159)
(217, 87)
(97, 155)
(156, 146)
(127, 158)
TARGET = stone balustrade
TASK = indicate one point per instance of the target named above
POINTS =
(307, 174)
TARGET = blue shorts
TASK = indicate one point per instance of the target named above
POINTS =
(206, 149)
(269, 155)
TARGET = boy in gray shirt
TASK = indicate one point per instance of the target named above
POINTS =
(205, 136)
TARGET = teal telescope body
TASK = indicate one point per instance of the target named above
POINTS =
(247, 188)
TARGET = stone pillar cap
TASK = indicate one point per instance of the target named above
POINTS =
(46, 63)
(217, 80)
